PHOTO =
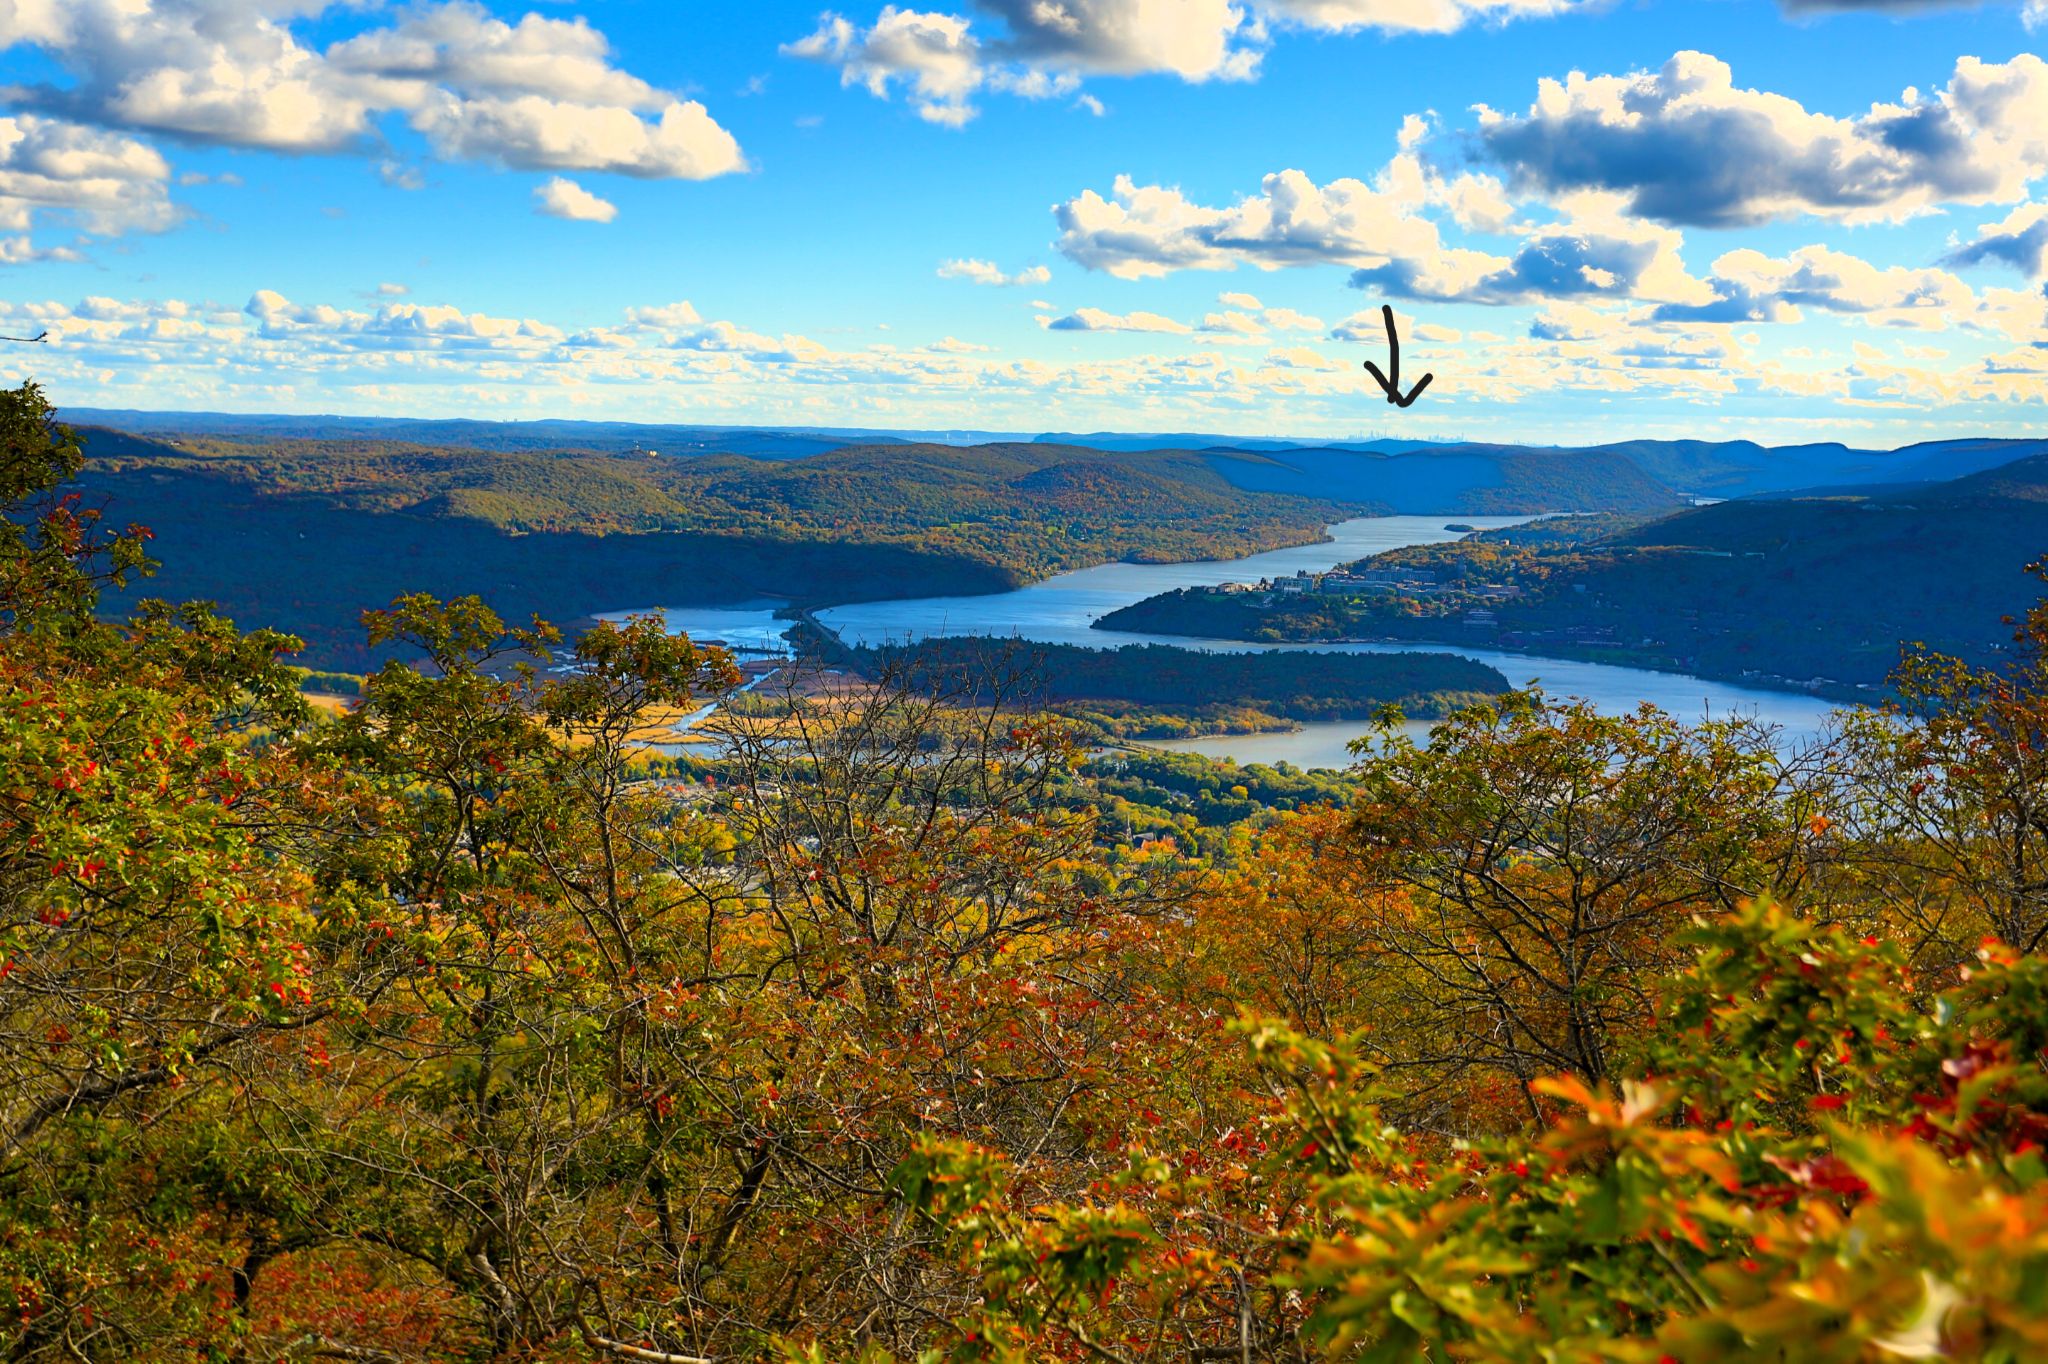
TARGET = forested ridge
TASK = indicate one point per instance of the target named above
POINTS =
(1291, 686)
(568, 533)
(437, 1031)
(1780, 589)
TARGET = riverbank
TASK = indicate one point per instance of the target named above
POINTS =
(1826, 689)
(1064, 610)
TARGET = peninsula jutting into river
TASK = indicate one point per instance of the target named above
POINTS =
(1063, 609)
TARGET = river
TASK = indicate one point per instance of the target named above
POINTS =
(1060, 610)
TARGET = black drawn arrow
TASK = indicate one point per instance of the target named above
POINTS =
(27, 340)
(1391, 382)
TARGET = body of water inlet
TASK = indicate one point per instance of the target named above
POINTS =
(743, 629)
(1063, 609)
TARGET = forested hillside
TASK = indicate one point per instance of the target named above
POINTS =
(1788, 589)
(449, 1030)
(1452, 479)
(1284, 685)
(1429, 476)
(299, 533)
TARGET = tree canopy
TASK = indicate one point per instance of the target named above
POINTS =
(456, 1027)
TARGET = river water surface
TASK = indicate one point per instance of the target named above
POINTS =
(1061, 610)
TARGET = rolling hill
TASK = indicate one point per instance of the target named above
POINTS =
(304, 534)
(1817, 589)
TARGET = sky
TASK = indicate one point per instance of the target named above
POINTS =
(1780, 220)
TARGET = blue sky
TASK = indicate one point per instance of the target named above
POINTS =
(1738, 218)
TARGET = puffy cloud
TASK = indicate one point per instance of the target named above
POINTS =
(1423, 16)
(2032, 12)
(1043, 50)
(1150, 230)
(933, 54)
(1685, 144)
(395, 326)
(1233, 323)
(664, 316)
(459, 46)
(1579, 322)
(1288, 320)
(535, 133)
(1301, 357)
(1044, 47)
(22, 250)
(988, 272)
(541, 93)
(564, 198)
(103, 182)
(1368, 327)
(1596, 252)
(2020, 240)
(1244, 316)
(1193, 39)
(666, 362)
(1384, 230)
(1096, 320)
(1753, 287)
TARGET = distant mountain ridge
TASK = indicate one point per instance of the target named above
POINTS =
(1816, 588)
(304, 534)
(1618, 476)
(1404, 473)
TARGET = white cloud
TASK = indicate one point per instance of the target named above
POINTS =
(1233, 322)
(988, 272)
(1409, 16)
(564, 198)
(1096, 320)
(1750, 286)
(933, 54)
(1244, 316)
(664, 316)
(2020, 240)
(1595, 250)
(539, 94)
(1046, 47)
(666, 362)
(459, 46)
(1685, 144)
(532, 132)
(1145, 231)
(101, 182)
(1288, 320)
(1193, 39)
(395, 326)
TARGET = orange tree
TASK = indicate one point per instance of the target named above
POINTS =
(1536, 861)
(1796, 1165)
(1949, 791)
(161, 948)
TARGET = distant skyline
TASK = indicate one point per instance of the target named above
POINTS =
(1809, 220)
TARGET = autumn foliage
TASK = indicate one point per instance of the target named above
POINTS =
(438, 1031)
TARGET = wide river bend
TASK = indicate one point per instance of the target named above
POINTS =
(1062, 609)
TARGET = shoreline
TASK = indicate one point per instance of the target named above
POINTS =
(1847, 692)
